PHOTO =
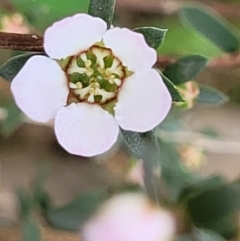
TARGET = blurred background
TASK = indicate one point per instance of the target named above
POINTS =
(207, 136)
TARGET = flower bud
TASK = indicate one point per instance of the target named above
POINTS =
(129, 217)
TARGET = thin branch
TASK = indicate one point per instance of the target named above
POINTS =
(7, 5)
(172, 6)
(223, 146)
(225, 61)
(34, 43)
(22, 42)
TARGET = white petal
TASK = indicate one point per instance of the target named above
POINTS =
(40, 88)
(85, 129)
(130, 217)
(143, 102)
(131, 48)
(73, 35)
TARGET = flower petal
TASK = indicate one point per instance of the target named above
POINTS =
(129, 217)
(85, 129)
(40, 88)
(131, 48)
(143, 102)
(72, 35)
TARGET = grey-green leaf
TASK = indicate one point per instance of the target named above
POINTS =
(185, 69)
(153, 36)
(174, 175)
(72, 215)
(11, 68)
(144, 146)
(216, 203)
(31, 230)
(176, 96)
(211, 96)
(13, 120)
(212, 26)
(207, 235)
(103, 9)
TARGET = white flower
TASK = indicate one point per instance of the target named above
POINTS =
(88, 67)
(129, 217)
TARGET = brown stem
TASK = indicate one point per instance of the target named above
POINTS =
(7, 5)
(220, 62)
(172, 6)
(34, 43)
(22, 42)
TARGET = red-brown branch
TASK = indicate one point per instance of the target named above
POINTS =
(34, 43)
(226, 61)
(22, 42)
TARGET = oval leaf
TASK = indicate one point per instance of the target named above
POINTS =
(11, 68)
(211, 96)
(13, 120)
(73, 215)
(144, 146)
(212, 26)
(207, 235)
(31, 230)
(153, 36)
(103, 9)
(176, 96)
(185, 69)
(216, 209)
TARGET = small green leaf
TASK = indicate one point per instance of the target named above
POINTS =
(184, 238)
(11, 68)
(185, 69)
(212, 26)
(39, 195)
(153, 36)
(73, 215)
(214, 203)
(145, 146)
(176, 96)
(173, 174)
(103, 9)
(200, 186)
(13, 120)
(206, 235)
(211, 96)
(31, 230)
(25, 203)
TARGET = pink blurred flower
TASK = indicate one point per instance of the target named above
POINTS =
(136, 173)
(89, 69)
(14, 24)
(129, 217)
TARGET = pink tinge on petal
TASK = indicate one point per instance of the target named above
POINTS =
(143, 102)
(85, 129)
(40, 88)
(73, 35)
(129, 217)
(131, 48)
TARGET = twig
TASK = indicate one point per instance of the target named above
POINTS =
(7, 5)
(172, 6)
(22, 42)
(208, 144)
(34, 43)
(225, 61)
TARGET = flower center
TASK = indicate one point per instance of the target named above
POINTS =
(96, 75)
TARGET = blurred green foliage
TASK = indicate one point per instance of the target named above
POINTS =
(42, 13)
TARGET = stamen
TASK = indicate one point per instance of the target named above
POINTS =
(117, 82)
(88, 63)
(72, 85)
(79, 85)
(91, 98)
(96, 75)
